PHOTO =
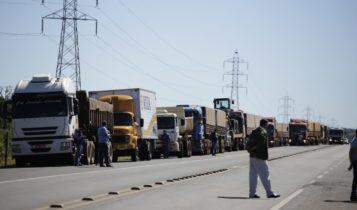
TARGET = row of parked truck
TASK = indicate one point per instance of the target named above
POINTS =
(45, 112)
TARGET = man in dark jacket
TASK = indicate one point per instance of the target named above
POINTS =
(213, 138)
(79, 143)
(257, 147)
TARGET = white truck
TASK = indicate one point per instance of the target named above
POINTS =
(46, 111)
(178, 127)
(144, 102)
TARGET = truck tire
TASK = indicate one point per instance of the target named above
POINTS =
(115, 157)
(180, 152)
(134, 155)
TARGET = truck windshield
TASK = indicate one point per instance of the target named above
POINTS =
(270, 130)
(165, 123)
(36, 105)
(222, 104)
(336, 132)
(123, 119)
(297, 128)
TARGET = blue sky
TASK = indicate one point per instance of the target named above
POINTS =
(307, 49)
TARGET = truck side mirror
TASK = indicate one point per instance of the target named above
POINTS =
(182, 122)
(141, 122)
(75, 107)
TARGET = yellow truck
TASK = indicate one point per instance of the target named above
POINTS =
(135, 122)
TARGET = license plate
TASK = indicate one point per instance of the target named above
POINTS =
(39, 146)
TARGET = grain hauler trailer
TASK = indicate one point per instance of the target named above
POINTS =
(215, 120)
(282, 133)
(251, 122)
(314, 132)
(46, 111)
(273, 139)
(135, 121)
(179, 128)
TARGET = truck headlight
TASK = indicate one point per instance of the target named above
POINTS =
(16, 148)
(65, 145)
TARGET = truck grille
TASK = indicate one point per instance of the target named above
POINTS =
(120, 139)
(39, 131)
(41, 150)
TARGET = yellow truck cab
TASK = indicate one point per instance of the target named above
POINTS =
(124, 138)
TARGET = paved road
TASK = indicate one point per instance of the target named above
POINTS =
(29, 188)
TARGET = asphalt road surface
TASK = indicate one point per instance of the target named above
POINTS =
(312, 177)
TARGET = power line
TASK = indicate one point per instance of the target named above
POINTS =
(19, 34)
(163, 40)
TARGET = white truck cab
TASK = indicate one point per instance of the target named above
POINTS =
(168, 122)
(44, 118)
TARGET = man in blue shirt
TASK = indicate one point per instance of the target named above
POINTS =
(166, 144)
(353, 161)
(104, 141)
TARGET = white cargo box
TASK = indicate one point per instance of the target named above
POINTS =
(144, 106)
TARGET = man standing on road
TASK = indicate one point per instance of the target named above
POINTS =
(213, 138)
(165, 138)
(353, 161)
(79, 143)
(257, 147)
(104, 141)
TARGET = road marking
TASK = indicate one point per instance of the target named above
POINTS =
(118, 169)
(320, 176)
(286, 200)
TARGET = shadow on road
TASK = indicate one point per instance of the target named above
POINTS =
(339, 201)
(232, 197)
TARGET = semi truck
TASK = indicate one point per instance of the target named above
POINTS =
(298, 132)
(135, 121)
(336, 136)
(46, 111)
(179, 128)
(236, 128)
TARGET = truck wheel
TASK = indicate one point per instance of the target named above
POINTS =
(180, 152)
(134, 155)
(115, 157)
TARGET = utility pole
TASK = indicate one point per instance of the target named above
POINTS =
(286, 108)
(235, 74)
(68, 63)
(309, 113)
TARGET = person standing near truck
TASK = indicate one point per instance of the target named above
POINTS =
(257, 147)
(79, 143)
(353, 165)
(213, 138)
(166, 143)
(104, 140)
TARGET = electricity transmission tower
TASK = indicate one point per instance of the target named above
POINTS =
(68, 63)
(286, 108)
(235, 74)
